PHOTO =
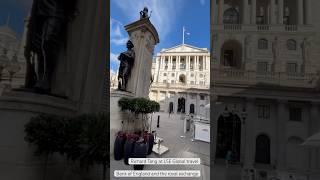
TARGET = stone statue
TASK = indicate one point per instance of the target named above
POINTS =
(46, 32)
(126, 63)
(305, 49)
(144, 13)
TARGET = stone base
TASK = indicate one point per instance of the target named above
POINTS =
(17, 160)
(117, 117)
(160, 150)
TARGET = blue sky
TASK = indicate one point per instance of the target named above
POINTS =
(17, 10)
(168, 16)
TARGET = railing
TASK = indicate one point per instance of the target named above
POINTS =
(233, 76)
(291, 28)
(263, 27)
(233, 27)
(179, 85)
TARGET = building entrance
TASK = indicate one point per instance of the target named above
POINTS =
(229, 137)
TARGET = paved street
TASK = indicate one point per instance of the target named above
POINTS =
(171, 130)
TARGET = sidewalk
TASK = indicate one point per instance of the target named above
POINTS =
(171, 128)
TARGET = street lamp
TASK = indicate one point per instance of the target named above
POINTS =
(4, 61)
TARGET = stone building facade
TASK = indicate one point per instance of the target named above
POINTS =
(12, 61)
(265, 86)
(181, 79)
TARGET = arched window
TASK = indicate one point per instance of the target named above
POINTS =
(263, 44)
(231, 16)
(291, 45)
(262, 149)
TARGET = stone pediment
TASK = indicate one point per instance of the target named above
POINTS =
(184, 48)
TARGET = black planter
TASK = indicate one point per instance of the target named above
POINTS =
(129, 148)
(140, 151)
(119, 146)
(150, 143)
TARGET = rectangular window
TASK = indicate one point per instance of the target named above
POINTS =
(295, 114)
(292, 68)
(192, 82)
(172, 74)
(164, 81)
(262, 67)
(264, 111)
(172, 81)
(202, 97)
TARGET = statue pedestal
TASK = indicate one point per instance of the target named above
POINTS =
(17, 156)
(144, 36)
(117, 117)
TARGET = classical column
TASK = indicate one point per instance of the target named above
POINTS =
(300, 11)
(196, 65)
(308, 13)
(272, 12)
(249, 134)
(188, 63)
(197, 104)
(280, 11)
(314, 128)
(170, 63)
(221, 11)
(282, 118)
(246, 12)
(162, 62)
(253, 11)
(178, 63)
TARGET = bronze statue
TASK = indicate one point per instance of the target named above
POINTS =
(126, 63)
(144, 13)
(46, 32)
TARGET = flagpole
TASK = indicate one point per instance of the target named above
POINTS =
(183, 34)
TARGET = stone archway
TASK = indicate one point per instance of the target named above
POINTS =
(191, 111)
(231, 54)
(181, 105)
(229, 137)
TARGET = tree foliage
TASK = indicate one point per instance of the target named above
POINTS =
(83, 138)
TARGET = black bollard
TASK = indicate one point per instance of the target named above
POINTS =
(158, 123)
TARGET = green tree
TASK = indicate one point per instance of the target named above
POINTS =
(47, 133)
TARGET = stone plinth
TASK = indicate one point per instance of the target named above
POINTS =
(117, 117)
(144, 37)
(17, 160)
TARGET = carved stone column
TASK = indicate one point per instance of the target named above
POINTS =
(253, 11)
(282, 118)
(280, 11)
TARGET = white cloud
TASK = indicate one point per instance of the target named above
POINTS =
(116, 35)
(114, 62)
(163, 15)
(202, 2)
(119, 41)
(114, 58)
